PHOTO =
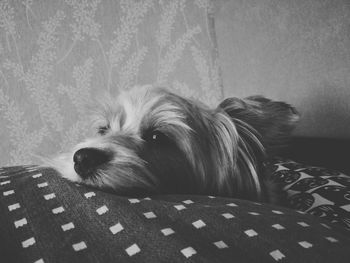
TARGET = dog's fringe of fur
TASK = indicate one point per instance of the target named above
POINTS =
(223, 147)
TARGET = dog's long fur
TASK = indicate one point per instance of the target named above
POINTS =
(154, 141)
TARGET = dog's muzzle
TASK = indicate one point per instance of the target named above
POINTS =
(87, 160)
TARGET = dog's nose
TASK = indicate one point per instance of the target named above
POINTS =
(86, 160)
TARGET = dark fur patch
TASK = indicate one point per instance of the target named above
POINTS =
(168, 163)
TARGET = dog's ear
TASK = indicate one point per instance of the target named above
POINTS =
(273, 120)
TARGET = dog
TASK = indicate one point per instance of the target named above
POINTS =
(152, 141)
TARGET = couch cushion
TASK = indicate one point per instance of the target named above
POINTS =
(44, 218)
(315, 190)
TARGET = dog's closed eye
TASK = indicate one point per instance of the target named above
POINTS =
(102, 130)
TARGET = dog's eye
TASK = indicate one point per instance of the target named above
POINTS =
(156, 137)
(103, 129)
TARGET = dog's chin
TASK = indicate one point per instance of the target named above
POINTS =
(65, 166)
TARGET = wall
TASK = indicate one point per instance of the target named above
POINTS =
(298, 51)
(56, 56)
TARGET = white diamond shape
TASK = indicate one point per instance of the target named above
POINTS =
(332, 239)
(278, 226)
(134, 201)
(21, 222)
(14, 206)
(254, 213)
(303, 224)
(167, 231)
(116, 228)
(228, 215)
(29, 242)
(58, 210)
(68, 226)
(43, 185)
(9, 192)
(102, 210)
(198, 224)
(277, 212)
(220, 244)
(36, 175)
(49, 196)
(250, 233)
(5, 182)
(188, 252)
(179, 207)
(149, 215)
(89, 194)
(79, 246)
(326, 226)
(277, 255)
(305, 244)
(132, 250)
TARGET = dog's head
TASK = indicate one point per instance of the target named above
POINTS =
(150, 140)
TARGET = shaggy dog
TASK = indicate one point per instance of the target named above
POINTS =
(152, 141)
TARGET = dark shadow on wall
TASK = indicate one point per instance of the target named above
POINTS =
(325, 113)
(323, 152)
(330, 112)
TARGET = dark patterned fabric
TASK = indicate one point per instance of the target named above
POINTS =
(44, 218)
(318, 191)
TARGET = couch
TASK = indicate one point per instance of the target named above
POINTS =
(45, 218)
